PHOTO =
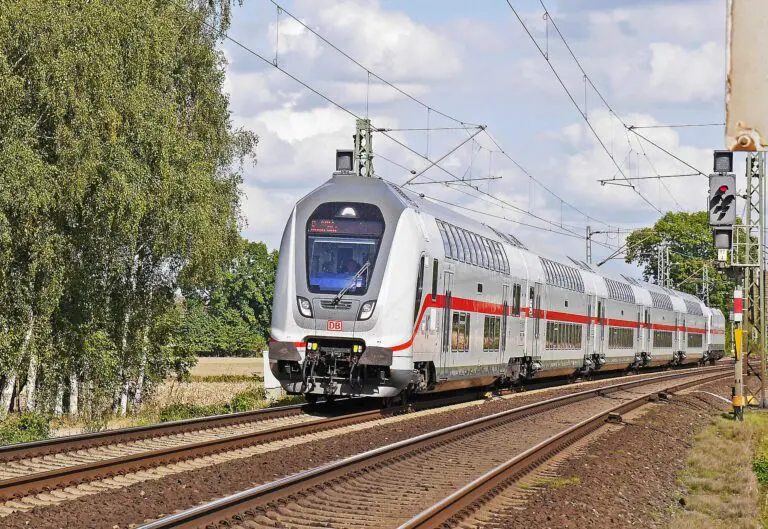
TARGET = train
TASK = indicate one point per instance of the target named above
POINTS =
(383, 293)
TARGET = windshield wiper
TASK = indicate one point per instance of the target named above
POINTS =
(351, 283)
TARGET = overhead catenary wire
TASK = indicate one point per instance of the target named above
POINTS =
(588, 79)
(429, 109)
(677, 126)
(373, 74)
(277, 65)
(573, 100)
(501, 217)
(543, 186)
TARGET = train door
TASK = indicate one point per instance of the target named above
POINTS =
(589, 344)
(639, 343)
(534, 304)
(600, 330)
(676, 334)
(504, 325)
(445, 341)
(684, 334)
(647, 332)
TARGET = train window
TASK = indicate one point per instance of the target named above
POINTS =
(491, 333)
(502, 257)
(460, 332)
(419, 289)
(662, 339)
(342, 238)
(499, 256)
(621, 338)
(695, 340)
(459, 246)
(563, 335)
(444, 236)
(491, 254)
(470, 248)
(487, 252)
(484, 262)
(434, 279)
(473, 241)
(452, 242)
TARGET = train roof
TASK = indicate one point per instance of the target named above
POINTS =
(644, 292)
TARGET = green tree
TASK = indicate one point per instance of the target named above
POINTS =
(119, 174)
(690, 251)
(232, 317)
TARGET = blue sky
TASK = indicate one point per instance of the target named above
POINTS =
(654, 62)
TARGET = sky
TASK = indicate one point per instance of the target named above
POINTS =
(653, 62)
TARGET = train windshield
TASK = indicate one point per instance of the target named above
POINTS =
(341, 239)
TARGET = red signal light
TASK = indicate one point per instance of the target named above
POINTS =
(723, 189)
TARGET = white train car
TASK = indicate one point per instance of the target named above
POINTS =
(381, 293)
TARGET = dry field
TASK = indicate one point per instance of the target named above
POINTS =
(212, 366)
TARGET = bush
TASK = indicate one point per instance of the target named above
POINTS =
(24, 428)
(250, 399)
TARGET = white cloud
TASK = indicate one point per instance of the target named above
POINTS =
(680, 75)
(293, 126)
(388, 41)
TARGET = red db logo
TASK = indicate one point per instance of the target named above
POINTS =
(334, 325)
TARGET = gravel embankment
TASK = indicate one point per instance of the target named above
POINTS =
(148, 500)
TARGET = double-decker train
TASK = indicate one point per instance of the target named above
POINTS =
(382, 293)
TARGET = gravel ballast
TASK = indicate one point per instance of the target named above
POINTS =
(136, 504)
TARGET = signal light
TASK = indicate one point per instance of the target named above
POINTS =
(722, 200)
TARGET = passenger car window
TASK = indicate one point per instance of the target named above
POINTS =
(468, 250)
(459, 246)
(444, 236)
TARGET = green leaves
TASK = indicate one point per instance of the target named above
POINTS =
(690, 251)
(119, 174)
(232, 318)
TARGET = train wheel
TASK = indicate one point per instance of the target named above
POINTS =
(311, 398)
(330, 399)
(387, 402)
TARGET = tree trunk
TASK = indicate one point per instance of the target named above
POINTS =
(123, 401)
(6, 396)
(73, 395)
(139, 394)
(58, 404)
(124, 398)
(31, 387)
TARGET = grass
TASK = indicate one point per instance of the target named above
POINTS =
(724, 492)
(229, 366)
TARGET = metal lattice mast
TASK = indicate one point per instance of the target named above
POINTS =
(662, 266)
(363, 148)
(748, 252)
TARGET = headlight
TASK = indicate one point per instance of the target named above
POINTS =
(305, 307)
(366, 310)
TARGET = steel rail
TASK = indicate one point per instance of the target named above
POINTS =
(452, 509)
(235, 504)
(56, 445)
(30, 483)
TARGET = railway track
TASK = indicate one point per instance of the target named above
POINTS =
(404, 484)
(41, 466)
